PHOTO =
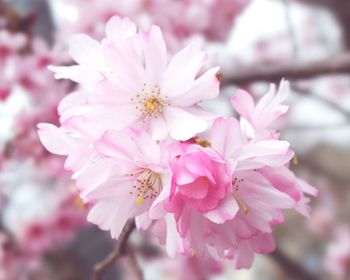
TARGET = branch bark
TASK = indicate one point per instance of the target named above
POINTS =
(291, 267)
(119, 251)
(134, 264)
(329, 103)
(268, 73)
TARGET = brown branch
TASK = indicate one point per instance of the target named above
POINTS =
(291, 267)
(119, 250)
(134, 264)
(329, 103)
(317, 168)
(14, 21)
(268, 73)
(332, 126)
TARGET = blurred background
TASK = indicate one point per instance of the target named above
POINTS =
(43, 230)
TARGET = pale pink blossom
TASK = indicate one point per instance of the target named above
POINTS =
(134, 173)
(260, 118)
(131, 79)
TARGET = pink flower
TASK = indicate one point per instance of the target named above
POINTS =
(261, 117)
(200, 183)
(236, 222)
(66, 222)
(138, 176)
(37, 238)
(130, 79)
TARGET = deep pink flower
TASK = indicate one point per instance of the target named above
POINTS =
(200, 183)
(37, 238)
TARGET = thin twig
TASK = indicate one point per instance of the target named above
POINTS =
(291, 267)
(134, 265)
(118, 251)
(329, 103)
(332, 126)
(274, 73)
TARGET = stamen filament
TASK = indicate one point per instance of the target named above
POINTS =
(241, 204)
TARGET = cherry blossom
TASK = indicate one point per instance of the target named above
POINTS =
(130, 78)
(231, 195)
(134, 173)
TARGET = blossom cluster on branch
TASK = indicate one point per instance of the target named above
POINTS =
(140, 146)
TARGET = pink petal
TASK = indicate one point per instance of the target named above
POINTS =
(255, 190)
(54, 140)
(118, 187)
(108, 93)
(157, 209)
(79, 156)
(243, 103)
(225, 136)
(94, 175)
(174, 243)
(263, 243)
(79, 74)
(182, 71)
(226, 210)
(158, 128)
(244, 257)
(112, 117)
(86, 51)
(117, 145)
(126, 67)
(148, 148)
(155, 55)
(109, 215)
(205, 87)
(183, 125)
(72, 100)
(143, 222)
(118, 29)
(261, 151)
(197, 189)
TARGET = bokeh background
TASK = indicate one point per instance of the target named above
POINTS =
(43, 232)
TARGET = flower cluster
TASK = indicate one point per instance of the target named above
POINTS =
(130, 134)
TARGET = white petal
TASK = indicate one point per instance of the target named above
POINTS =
(183, 125)
(86, 51)
(54, 140)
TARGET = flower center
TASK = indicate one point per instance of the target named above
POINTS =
(150, 103)
(240, 202)
(147, 185)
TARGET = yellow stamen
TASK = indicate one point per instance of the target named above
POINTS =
(150, 102)
(139, 200)
(147, 185)
(150, 105)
